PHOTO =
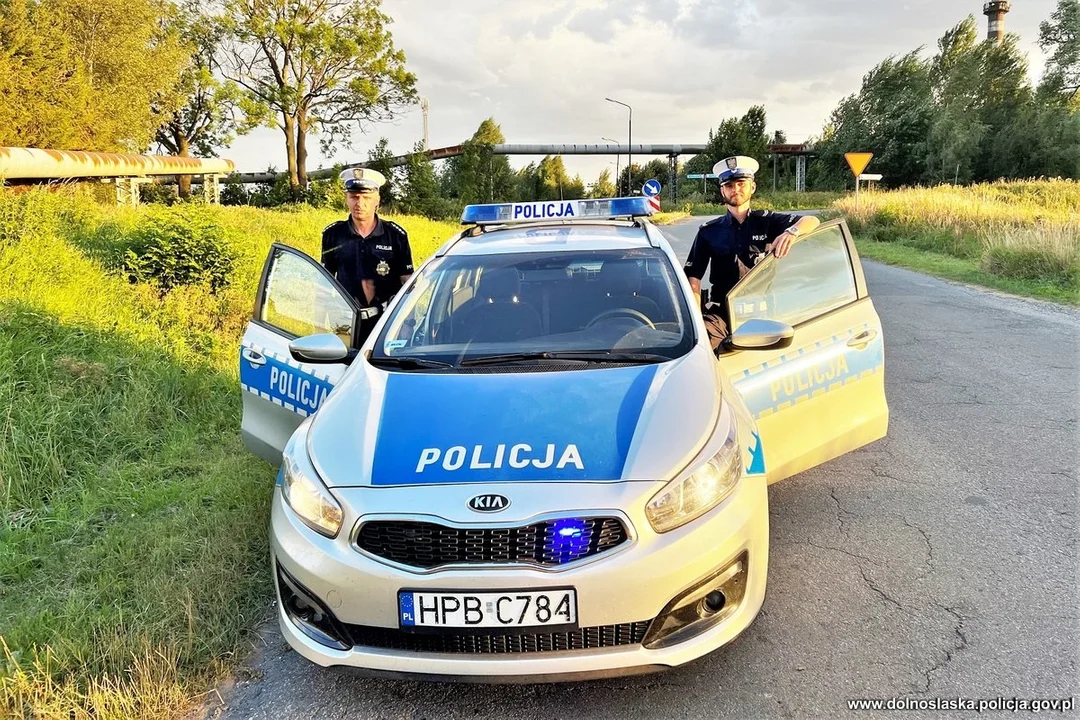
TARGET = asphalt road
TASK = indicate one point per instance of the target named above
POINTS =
(940, 562)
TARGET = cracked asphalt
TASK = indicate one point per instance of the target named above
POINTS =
(939, 562)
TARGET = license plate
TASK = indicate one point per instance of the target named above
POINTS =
(509, 609)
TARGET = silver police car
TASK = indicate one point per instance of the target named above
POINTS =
(536, 468)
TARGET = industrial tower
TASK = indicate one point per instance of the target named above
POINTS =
(995, 13)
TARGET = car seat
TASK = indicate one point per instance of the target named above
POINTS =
(496, 312)
(619, 282)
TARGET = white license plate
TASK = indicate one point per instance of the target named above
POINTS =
(512, 608)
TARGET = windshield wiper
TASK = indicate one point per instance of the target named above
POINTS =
(408, 363)
(597, 356)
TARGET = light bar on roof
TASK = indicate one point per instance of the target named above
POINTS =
(556, 210)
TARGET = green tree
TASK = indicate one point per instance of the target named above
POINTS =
(603, 187)
(319, 66)
(76, 75)
(379, 158)
(734, 136)
(211, 113)
(478, 175)
(420, 193)
(1059, 37)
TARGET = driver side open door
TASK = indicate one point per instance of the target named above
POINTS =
(824, 394)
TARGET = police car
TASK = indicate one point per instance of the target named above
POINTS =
(536, 468)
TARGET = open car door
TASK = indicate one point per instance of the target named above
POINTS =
(824, 394)
(297, 297)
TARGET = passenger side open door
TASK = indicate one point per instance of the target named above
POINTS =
(297, 297)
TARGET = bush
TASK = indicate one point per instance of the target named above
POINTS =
(179, 246)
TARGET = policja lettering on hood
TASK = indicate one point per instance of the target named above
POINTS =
(454, 458)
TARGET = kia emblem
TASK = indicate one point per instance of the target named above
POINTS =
(489, 502)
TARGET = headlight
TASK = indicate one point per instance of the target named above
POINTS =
(305, 493)
(684, 500)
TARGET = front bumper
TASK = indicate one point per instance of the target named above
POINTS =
(622, 591)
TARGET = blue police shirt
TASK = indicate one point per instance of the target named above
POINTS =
(719, 242)
(383, 256)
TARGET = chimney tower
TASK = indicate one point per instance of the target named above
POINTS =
(995, 14)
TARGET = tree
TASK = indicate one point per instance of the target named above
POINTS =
(76, 75)
(420, 194)
(319, 66)
(478, 175)
(1059, 37)
(734, 136)
(379, 159)
(603, 187)
(210, 115)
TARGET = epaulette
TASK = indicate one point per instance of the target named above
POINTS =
(714, 220)
(336, 222)
(394, 225)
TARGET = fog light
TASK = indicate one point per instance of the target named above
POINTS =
(714, 602)
(309, 615)
(704, 606)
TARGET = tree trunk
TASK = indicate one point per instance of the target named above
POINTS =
(183, 182)
(301, 147)
(289, 128)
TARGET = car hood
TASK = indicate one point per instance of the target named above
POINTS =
(637, 423)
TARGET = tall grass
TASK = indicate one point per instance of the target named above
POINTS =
(1015, 230)
(133, 549)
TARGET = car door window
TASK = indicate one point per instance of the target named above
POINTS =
(300, 299)
(816, 277)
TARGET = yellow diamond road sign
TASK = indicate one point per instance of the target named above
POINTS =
(858, 162)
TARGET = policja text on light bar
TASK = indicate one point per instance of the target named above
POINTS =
(556, 210)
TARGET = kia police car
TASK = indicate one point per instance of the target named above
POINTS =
(536, 468)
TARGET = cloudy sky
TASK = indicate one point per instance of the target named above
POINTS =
(542, 68)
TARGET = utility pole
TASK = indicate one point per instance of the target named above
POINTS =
(629, 145)
(424, 107)
(617, 178)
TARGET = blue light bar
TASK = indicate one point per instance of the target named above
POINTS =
(556, 210)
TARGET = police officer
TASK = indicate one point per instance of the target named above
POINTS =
(368, 255)
(732, 243)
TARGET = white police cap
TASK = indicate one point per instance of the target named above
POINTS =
(733, 168)
(361, 180)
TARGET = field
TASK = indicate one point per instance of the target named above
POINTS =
(133, 550)
(1021, 237)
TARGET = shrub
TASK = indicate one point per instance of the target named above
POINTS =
(179, 246)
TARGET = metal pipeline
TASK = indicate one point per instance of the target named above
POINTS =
(17, 163)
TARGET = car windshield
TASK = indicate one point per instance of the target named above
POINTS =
(617, 304)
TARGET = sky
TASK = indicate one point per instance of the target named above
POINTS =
(542, 68)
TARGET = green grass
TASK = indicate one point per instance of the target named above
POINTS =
(782, 201)
(133, 548)
(963, 270)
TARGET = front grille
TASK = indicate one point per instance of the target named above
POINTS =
(549, 543)
(588, 638)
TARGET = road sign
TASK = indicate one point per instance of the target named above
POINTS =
(700, 176)
(651, 188)
(858, 162)
(869, 176)
(654, 203)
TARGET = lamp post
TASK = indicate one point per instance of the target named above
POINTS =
(629, 143)
(616, 163)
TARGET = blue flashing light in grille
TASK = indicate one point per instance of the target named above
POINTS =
(557, 210)
(567, 540)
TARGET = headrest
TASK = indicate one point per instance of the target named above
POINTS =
(500, 283)
(621, 277)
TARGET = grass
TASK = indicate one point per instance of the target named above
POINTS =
(782, 201)
(133, 548)
(1021, 237)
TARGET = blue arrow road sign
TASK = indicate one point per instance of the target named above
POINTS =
(651, 188)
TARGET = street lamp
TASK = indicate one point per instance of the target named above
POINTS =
(629, 142)
(616, 163)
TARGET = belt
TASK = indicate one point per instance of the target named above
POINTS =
(369, 312)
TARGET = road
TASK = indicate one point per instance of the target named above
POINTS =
(941, 561)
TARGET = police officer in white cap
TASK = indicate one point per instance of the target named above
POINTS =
(368, 255)
(732, 243)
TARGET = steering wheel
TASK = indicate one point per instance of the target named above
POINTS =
(623, 312)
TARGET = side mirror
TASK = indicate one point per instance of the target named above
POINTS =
(322, 348)
(758, 334)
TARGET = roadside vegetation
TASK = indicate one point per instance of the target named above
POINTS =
(133, 549)
(1019, 237)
